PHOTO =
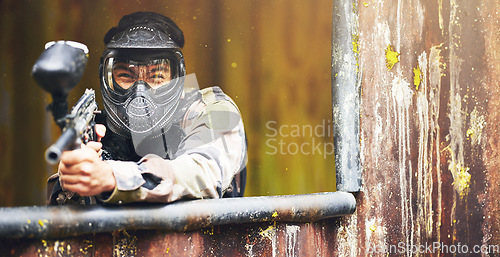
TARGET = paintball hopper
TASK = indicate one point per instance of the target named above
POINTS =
(60, 67)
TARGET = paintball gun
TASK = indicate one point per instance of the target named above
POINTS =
(58, 69)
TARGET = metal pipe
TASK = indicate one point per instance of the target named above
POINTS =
(346, 84)
(64, 221)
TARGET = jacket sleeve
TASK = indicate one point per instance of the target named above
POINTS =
(211, 154)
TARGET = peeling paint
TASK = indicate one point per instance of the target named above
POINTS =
(461, 178)
(292, 248)
(475, 131)
(456, 164)
(270, 233)
(402, 96)
(436, 72)
(249, 250)
(440, 14)
(375, 231)
(424, 216)
(347, 243)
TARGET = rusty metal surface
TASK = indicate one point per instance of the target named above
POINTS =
(300, 225)
(430, 130)
(257, 239)
(346, 85)
(63, 221)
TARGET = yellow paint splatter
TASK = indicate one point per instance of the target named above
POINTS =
(234, 65)
(392, 57)
(373, 227)
(41, 222)
(365, 4)
(461, 178)
(275, 214)
(86, 248)
(168, 249)
(355, 45)
(417, 77)
(470, 132)
(270, 232)
(209, 231)
(228, 40)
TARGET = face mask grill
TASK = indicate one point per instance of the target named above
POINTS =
(141, 94)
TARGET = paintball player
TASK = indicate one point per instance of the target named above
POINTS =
(162, 141)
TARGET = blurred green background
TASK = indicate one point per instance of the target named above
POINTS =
(272, 57)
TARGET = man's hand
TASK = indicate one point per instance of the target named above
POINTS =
(82, 171)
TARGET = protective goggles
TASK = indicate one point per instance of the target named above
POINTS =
(120, 75)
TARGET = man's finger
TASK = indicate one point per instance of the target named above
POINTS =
(69, 158)
(71, 170)
(100, 131)
(75, 179)
(95, 145)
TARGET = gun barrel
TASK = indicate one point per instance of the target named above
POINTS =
(65, 142)
(77, 124)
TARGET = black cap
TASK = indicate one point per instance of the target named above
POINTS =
(145, 30)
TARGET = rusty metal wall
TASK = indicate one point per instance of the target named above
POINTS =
(295, 225)
(256, 239)
(429, 129)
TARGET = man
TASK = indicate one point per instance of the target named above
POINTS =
(163, 141)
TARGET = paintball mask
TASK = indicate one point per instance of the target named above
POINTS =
(142, 76)
(141, 92)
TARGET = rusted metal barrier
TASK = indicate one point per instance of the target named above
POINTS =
(79, 227)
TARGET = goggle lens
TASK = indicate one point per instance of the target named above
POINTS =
(155, 73)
